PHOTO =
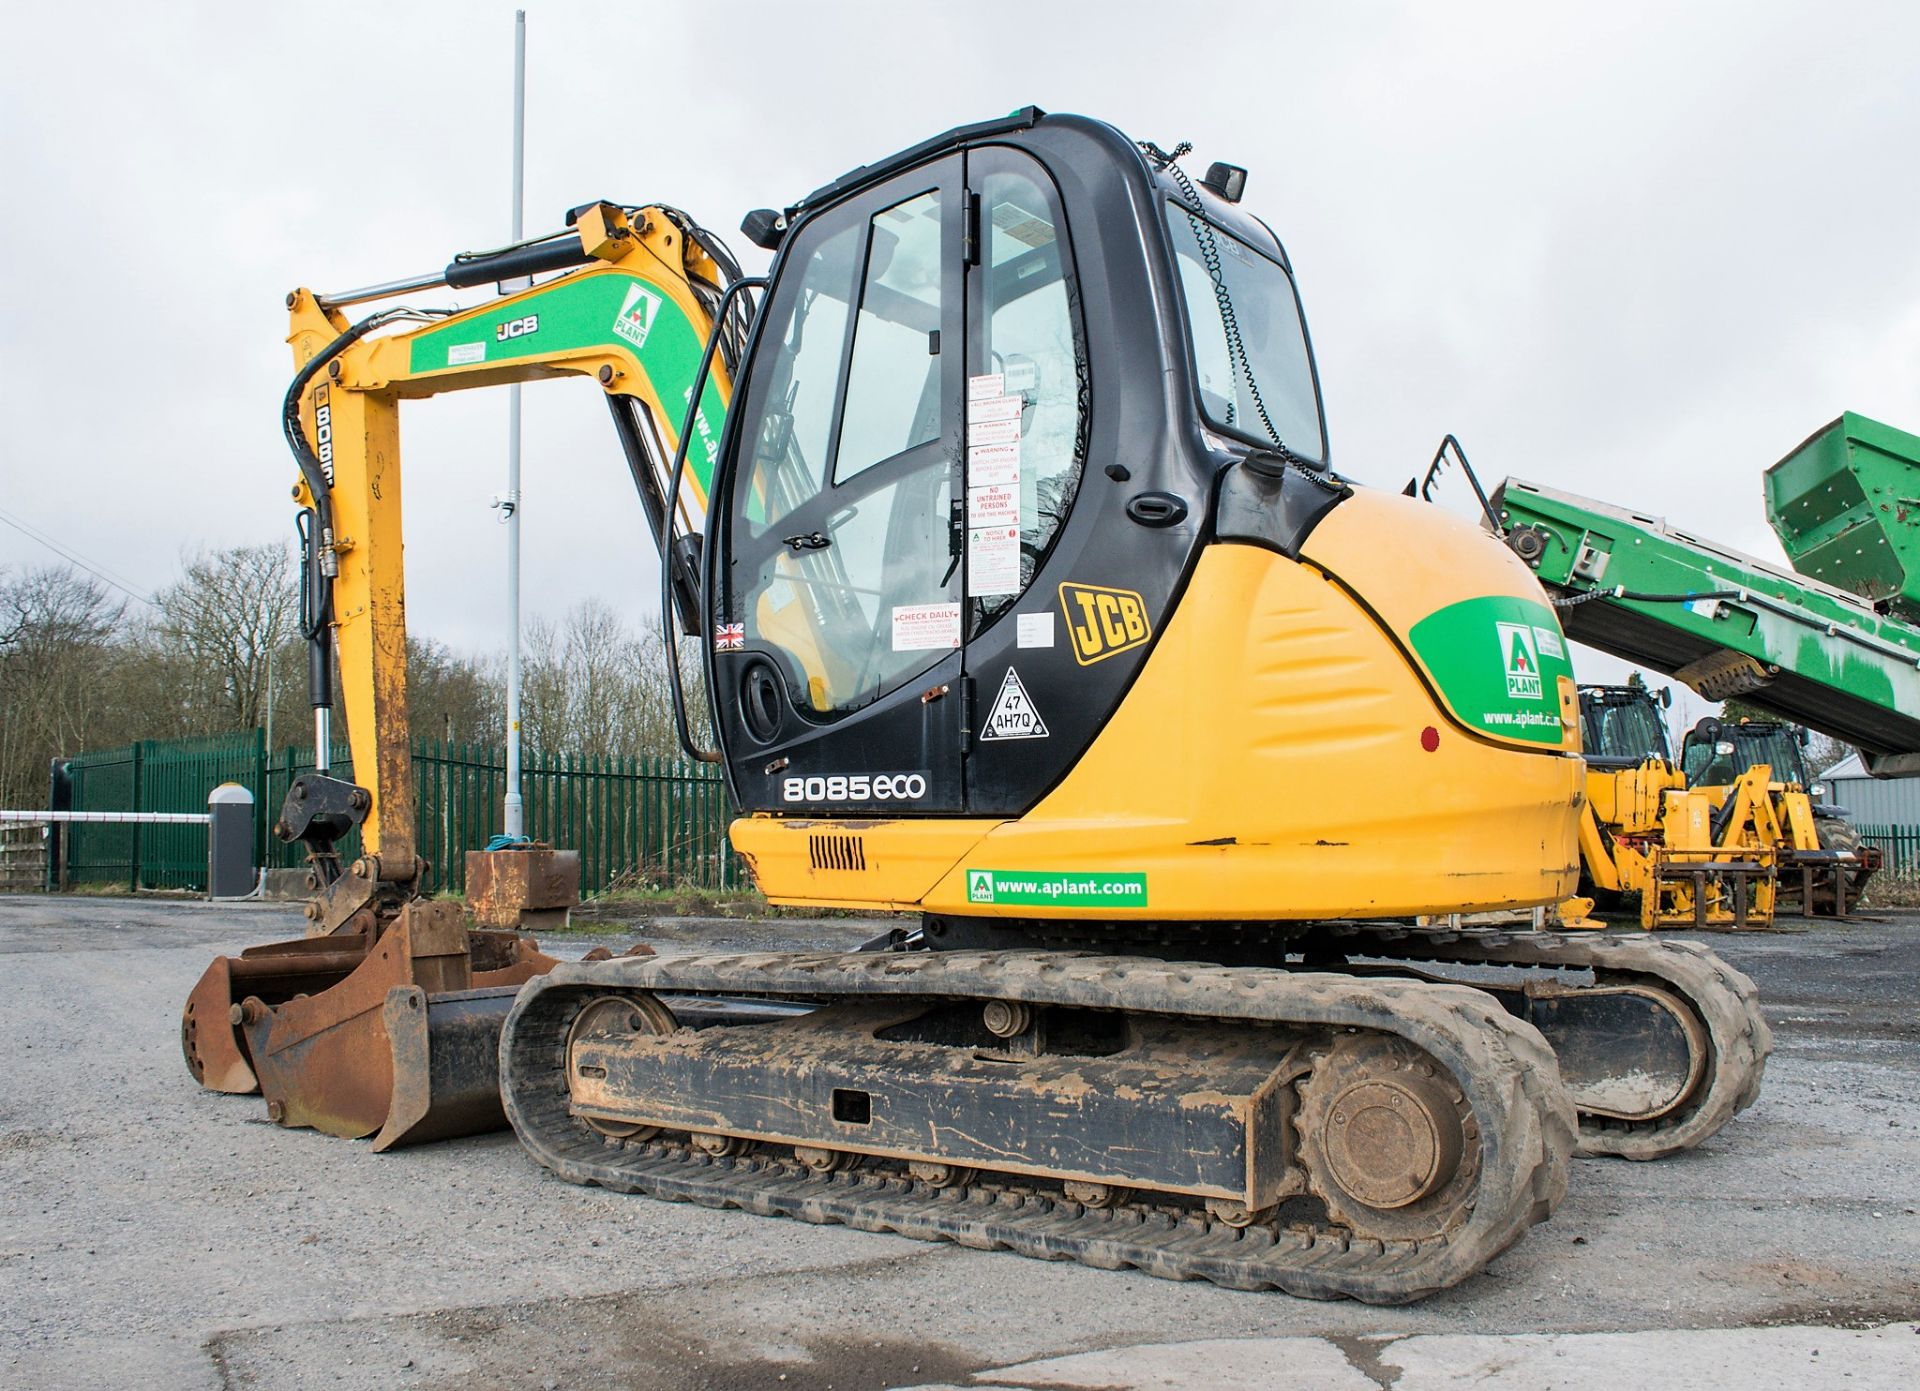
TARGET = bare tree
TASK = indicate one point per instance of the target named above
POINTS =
(57, 674)
(226, 618)
(592, 685)
(76, 673)
(453, 696)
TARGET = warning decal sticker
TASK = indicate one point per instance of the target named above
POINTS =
(925, 627)
(1013, 715)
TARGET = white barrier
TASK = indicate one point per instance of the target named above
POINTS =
(136, 818)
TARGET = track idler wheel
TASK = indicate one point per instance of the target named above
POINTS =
(1389, 1143)
(616, 1016)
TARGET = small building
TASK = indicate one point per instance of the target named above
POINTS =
(1872, 801)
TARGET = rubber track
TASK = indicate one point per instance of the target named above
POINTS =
(1723, 998)
(1503, 1066)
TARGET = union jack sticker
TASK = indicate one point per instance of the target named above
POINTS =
(730, 637)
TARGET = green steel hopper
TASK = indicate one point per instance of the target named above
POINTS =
(1846, 506)
(1842, 660)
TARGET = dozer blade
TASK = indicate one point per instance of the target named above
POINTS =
(396, 1038)
(445, 1063)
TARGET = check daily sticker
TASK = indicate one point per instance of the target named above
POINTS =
(926, 627)
(993, 465)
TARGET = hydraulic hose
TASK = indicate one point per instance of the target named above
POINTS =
(320, 563)
(1875, 645)
(688, 424)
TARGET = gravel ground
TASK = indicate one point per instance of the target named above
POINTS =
(154, 1234)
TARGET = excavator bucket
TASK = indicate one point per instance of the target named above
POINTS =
(394, 1036)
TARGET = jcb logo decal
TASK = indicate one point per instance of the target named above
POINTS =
(1103, 621)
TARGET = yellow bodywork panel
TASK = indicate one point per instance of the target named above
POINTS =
(1300, 786)
(1405, 560)
(803, 862)
(1630, 801)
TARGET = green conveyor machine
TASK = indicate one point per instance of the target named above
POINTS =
(1833, 643)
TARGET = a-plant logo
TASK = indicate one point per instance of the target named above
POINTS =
(1522, 660)
(637, 311)
(980, 885)
(1102, 622)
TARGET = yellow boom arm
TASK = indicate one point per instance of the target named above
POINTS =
(636, 318)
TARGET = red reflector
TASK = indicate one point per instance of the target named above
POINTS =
(1429, 738)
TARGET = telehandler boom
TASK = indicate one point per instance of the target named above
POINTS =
(1028, 602)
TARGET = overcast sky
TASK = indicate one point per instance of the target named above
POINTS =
(1638, 251)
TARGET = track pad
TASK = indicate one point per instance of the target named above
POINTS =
(1631, 1052)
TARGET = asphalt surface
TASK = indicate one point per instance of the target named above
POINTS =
(155, 1235)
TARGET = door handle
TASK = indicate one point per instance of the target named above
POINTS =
(1157, 509)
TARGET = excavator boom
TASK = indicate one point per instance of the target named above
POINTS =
(386, 1017)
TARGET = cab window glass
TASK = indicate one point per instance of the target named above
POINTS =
(893, 385)
(794, 430)
(849, 582)
(1027, 415)
(1249, 344)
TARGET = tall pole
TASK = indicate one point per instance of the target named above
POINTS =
(514, 817)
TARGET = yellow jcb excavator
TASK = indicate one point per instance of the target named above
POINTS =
(1028, 602)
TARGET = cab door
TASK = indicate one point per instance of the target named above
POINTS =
(839, 623)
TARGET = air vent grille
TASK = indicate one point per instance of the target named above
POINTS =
(831, 851)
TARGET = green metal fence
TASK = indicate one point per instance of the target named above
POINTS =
(637, 820)
(1899, 848)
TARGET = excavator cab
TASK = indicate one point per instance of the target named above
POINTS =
(947, 523)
